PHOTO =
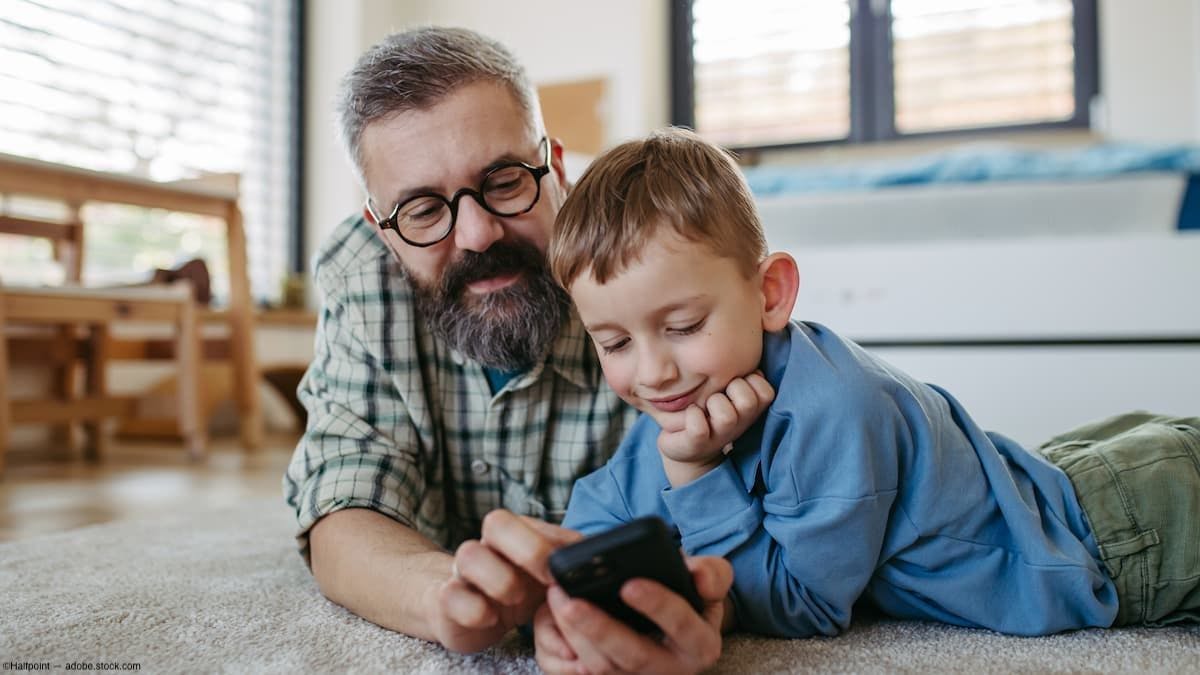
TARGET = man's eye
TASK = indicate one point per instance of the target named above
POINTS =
(501, 187)
(422, 212)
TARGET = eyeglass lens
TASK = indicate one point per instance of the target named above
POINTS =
(507, 191)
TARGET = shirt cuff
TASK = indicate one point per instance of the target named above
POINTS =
(714, 513)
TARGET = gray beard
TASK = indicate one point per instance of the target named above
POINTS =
(510, 329)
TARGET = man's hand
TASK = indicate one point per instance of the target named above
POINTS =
(574, 636)
(497, 582)
(697, 446)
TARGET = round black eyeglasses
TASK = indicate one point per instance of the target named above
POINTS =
(507, 190)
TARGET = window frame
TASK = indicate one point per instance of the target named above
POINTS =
(872, 101)
(297, 262)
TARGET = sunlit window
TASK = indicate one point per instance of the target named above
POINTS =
(780, 72)
(772, 69)
(962, 63)
(161, 89)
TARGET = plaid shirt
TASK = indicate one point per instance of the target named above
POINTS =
(400, 423)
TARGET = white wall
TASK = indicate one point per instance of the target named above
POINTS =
(1150, 69)
(1149, 53)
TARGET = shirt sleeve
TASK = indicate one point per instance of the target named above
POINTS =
(804, 543)
(360, 447)
(596, 503)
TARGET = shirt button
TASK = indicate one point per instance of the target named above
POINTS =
(479, 467)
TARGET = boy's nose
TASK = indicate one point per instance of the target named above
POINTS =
(656, 369)
(475, 229)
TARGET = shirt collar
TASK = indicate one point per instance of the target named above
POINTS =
(748, 449)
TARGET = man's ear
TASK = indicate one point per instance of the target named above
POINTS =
(370, 217)
(780, 279)
(557, 164)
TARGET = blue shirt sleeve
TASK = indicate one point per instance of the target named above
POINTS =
(804, 540)
(596, 504)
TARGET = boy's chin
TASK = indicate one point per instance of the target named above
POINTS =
(671, 422)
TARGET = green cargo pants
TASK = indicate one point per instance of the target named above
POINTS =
(1137, 477)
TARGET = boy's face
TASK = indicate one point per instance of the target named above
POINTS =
(674, 327)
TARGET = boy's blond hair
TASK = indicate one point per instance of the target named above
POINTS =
(673, 178)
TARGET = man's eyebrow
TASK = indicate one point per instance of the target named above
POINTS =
(506, 158)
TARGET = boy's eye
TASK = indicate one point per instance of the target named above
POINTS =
(615, 347)
(688, 330)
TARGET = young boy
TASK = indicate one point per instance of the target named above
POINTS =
(859, 481)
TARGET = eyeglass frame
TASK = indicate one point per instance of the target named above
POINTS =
(538, 173)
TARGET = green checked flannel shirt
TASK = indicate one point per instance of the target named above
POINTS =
(400, 423)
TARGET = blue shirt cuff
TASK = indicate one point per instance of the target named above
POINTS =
(714, 513)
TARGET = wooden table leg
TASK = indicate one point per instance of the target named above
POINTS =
(96, 376)
(5, 404)
(192, 425)
(241, 314)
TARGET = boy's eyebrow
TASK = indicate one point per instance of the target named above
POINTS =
(665, 309)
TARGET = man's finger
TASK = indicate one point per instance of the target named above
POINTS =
(466, 606)
(494, 576)
(510, 536)
(557, 534)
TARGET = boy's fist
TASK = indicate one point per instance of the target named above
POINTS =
(690, 452)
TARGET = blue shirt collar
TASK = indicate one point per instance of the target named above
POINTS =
(747, 449)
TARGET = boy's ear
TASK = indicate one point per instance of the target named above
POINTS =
(780, 278)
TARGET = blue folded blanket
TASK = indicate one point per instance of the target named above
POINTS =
(971, 165)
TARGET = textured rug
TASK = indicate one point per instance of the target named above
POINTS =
(223, 590)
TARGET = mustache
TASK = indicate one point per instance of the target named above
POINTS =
(500, 259)
(511, 328)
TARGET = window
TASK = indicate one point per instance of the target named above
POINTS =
(164, 90)
(763, 73)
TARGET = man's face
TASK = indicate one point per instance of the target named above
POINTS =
(485, 287)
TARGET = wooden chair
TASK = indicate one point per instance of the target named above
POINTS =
(75, 187)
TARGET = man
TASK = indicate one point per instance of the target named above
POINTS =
(454, 399)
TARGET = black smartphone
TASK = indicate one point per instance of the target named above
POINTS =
(596, 567)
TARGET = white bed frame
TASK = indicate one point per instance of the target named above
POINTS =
(1039, 306)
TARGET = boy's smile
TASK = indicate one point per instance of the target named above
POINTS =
(673, 327)
(676, 403)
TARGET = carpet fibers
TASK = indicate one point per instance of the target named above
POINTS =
(224, 590)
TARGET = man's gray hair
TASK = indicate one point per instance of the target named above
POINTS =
(416, 69)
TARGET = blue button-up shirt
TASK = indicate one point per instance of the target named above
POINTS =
(860, 481)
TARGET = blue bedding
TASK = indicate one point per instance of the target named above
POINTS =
(975, 164)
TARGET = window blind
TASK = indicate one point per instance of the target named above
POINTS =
(165, 90)
(975, 63)
(780, 72)
(770, 71)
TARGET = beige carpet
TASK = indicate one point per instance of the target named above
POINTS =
(225, 591)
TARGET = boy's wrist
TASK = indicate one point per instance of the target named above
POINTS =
(681, 473)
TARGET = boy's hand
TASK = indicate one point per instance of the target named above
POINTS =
(691, 451)
(574, 636)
